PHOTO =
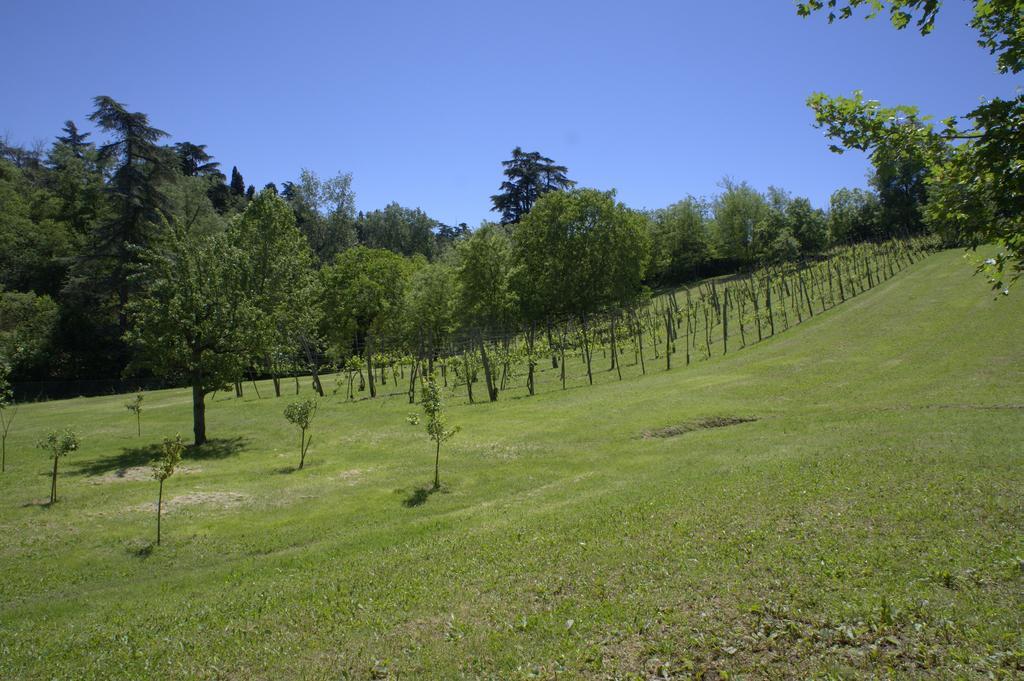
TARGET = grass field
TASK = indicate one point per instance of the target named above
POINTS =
(868, 523)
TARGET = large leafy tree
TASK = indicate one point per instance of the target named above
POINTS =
(976, 179)
(854, 215)
(27, 325)
(737, 212)
(324, 212)
(194, 320)
(580, 252)
(407, 231)
(278, 276)
(37, 243)
(681, 240)
(529, 175)
(487, 302)
(430, 307)
(484, 265)
(363, 293)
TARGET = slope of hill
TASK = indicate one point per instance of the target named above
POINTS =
(841, 500)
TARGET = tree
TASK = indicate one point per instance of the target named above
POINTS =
(135, 407)
(854, 215)
(437, 422)
(680, 241)
(38, 240)
(430, 307)
(191, 206)
(487, 302)
(194, 318)
(6, 418)
(58, 444)
(406, 231)
(363, 294)
(989, 143)
(277, 275)
(529, 176)
(324, 212)
(163, 468)
(237, 185)
(73, 139)
(579, 253)
(194, 161)
(134, 189)
(27, 325)
(301, 414)
(737, 211)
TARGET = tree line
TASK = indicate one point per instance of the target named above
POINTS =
(79, 218)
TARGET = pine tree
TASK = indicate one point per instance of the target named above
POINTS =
(237, 183)
(530, 176)
(134, 189)
(194, 161)
(73, 139)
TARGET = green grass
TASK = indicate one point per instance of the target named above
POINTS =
(868, 524)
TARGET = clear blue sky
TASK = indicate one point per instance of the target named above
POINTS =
(421, 101)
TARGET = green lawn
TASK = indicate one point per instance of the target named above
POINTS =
(869, 523)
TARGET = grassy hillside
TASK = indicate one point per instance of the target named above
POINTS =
(868, 523)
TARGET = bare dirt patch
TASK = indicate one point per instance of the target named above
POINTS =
(350, 476)
(217, 499)
(138, 474)
(701, 424)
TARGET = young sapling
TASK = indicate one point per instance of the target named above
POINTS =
(301, 414)
(135, 407)
(163, 468)
(437, 422)
(58, 444)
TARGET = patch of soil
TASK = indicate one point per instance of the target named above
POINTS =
(138, 474)
(218, 499)
(350, 476)
(690, 426)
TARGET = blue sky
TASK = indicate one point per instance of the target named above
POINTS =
(421, 101)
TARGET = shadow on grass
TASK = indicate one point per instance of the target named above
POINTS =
(141, 456)
(140, 548)
(420, 496)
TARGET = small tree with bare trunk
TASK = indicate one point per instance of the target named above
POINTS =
(135, 407)
(163, 468)
(301, 414)
(437, 422)
(58, 444)
(6, 402)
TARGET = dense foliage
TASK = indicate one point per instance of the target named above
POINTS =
(964, 177)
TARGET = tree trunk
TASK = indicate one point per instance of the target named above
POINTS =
(725, 322)
(530, 360)
(302, 448)
(369, 369)
(413, 374)
(492, 389)
(198, 413)
(437, 466)
(615, 348)
(640, 342)
(469, 377)
(159, 508)
(586, 351)
(53, 481)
